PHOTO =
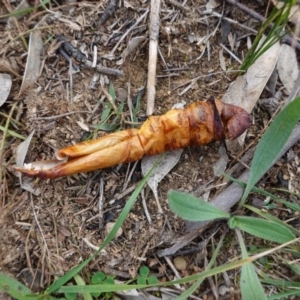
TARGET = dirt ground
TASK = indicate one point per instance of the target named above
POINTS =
(53, 231)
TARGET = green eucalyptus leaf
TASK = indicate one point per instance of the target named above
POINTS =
(265, 229)
(193, 209)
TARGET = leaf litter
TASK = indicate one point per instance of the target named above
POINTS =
(70, 204)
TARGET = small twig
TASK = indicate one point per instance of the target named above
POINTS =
(178, 5)
(169, 262)
(153, 44)
(92, 246)
(100, 207)
(108, 12)
(234, 22)
(62, 115)
(145, 206)
(231, 53)
(130, 175)
(139, 20)
(107, 71)
(71, 81)
(110, 99)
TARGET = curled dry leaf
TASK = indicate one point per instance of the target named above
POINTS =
(198, 124)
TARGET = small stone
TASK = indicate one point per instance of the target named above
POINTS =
(109, 226)
(180, 263)
(223, 289)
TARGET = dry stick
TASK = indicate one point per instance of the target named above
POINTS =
(107, 71)
(225, 200)
(178, 5)
(286, 39)
(153, 44)
(62, 115)
(100, 207)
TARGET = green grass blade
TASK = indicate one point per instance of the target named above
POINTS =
(260, 191)
(192, 208)
(14, 288)
(264, 229)
(65, 278)
(111, 91)
(20, 13)
(251, 287)
(271, 143)
(79, 281)
(285, 295)
(12, 133)
(187, 279)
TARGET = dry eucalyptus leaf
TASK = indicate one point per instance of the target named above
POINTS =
(220, 166)
(83, 126)
(33, 64)
(27, 185)
(132, 45)
(11, 20)
(22, 149)
(287, 67)
(246, 89)
(5, 86)
(169, 160)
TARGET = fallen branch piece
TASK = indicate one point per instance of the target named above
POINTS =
(198, 124)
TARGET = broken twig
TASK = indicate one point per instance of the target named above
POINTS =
(153, 44)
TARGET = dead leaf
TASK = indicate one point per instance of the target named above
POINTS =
(132, 45)
(246, 89)
(5, 86)
(287, 67)
(33, 63)
(21, 152)
(167, 163)
(220, 166)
